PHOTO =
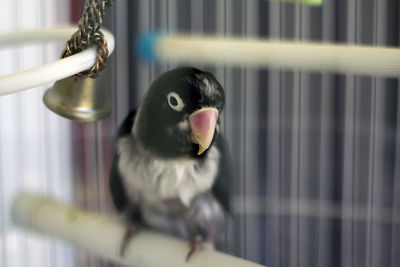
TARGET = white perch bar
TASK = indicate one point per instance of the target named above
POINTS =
(52, 71)
(308, 56)
(102, 235)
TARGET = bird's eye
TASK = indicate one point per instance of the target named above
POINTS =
(175, 102)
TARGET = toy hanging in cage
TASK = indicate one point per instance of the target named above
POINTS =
(80, 92)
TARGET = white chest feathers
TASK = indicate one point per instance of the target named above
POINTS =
(152, 180)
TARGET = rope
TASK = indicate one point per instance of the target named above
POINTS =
(89, 34)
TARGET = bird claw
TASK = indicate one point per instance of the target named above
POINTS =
(195, 245)
(129, 233)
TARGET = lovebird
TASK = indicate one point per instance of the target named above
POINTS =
(171, 167)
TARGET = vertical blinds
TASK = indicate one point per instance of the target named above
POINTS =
(35, 146)
(316, 155)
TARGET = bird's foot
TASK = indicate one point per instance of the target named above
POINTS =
(196, 244)
(129, 233)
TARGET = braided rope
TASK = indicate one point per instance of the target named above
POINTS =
(89, 34)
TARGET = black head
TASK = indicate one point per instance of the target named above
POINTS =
(163, 124)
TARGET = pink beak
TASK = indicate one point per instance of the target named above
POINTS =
(202, 123)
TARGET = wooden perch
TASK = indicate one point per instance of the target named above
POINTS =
(102, 235)
(305, 56)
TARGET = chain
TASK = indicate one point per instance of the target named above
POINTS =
(89, 34)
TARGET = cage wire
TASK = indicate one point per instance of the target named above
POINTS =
(315, 153)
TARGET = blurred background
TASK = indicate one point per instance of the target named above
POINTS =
(317, 156)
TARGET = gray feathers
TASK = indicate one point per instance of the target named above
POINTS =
(172, 195)
(158, 178)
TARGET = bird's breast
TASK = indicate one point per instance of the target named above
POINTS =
(154, 181)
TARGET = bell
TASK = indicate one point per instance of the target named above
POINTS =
(80, 99)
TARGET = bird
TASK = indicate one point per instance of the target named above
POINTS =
(171, 166)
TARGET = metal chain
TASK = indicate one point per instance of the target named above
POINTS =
(89, 34)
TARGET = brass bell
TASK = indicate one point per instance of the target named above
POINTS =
(80, 99)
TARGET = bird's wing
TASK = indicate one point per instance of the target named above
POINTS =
(221, 187)
(117, 190)
(127, 124)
